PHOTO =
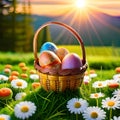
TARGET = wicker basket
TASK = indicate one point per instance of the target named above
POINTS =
(59, 82)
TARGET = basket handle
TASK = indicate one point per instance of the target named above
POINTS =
(65, 26)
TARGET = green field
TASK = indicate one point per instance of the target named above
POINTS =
(52, 105)
(99, 58)
(96, 57)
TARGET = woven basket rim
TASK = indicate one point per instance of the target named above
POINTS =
(82, 69)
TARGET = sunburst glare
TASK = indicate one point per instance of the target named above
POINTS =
(80, 3)
(86, 18)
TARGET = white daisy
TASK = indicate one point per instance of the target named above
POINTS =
(93, 75)
(20, 95)
(24, 110)
(99, 84)
(19, 83)
(4, 117)
(116, 77)
(76, 105)
(116, 118)
(3, 78)
(116, 93)
(86, 79)
(111, 103)
(97, 95)
(34, 76)
(94, 113)
(111, 81)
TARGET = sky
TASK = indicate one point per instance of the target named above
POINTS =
(61, 7)
(74, 14)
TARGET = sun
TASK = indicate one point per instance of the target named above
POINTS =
(80, 3)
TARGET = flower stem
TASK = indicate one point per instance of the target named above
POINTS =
(76, 116)
(110, 116)
(97, 102)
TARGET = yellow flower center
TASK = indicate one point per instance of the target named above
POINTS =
(96, 94)
(99, 84)
(1, 118)
(23, 95)
(94, 115)
(2, 78)
(111, 103)
(19, 84)
(77, 105)
(24, 108)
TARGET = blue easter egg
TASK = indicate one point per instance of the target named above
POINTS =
(48, 46)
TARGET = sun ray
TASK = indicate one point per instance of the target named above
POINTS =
(85, 16)
(80, 3)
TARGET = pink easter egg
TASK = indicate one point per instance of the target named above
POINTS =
(71, 61)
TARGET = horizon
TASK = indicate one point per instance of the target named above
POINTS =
(61, 7)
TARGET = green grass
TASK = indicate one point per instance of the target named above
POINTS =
(52, 105)
(97, 57)
(94, 51)
(15, 58)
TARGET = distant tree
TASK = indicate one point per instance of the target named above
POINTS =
(15, 28)
(24, 42)
(44, 36)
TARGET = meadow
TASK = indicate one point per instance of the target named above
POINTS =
(97, 57)
(99, 91)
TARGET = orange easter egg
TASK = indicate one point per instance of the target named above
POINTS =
(5, 93)
(8, 66)
(117, 69)
(15, 73)
(61, 52)
(12, 77)
(22, 64)
(23, 75)
(48, 58)
(36, 85)
(32, 71)
(24, 69)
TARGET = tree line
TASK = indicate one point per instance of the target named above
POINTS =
(16, 30)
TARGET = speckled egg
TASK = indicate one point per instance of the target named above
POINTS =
(48, 46)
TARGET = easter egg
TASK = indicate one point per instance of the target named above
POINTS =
(48, 58)
(21, 64)
(71, 61)
(36, 85)
(7, 70)
(12, 77)
(8, 66)
(5, 93)
(48, 46)
(15, 73)
(24, 75)
(117, 69)
(61, 52)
